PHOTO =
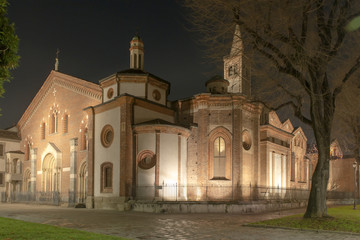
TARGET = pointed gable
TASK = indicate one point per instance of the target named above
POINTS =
(287, 126)
(73, 84)
(274, 119)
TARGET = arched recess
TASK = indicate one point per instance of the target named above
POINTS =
(27, 180)
(82, 176)
(145, 171)
(220, 154)
(50, 174)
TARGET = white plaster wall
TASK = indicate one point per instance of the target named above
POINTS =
(105, 97)
(142, 115)
(110, 154)
(146, 141)
(183, 175)
(168, 159)
(146, 177)
(135, 89)
(151, 88)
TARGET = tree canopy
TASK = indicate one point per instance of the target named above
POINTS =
(8, 46)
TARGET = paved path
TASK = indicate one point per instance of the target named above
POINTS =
(134, 225)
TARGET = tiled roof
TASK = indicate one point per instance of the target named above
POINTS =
(9, 135)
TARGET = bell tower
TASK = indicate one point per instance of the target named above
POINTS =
(237, 67)
(136, 53)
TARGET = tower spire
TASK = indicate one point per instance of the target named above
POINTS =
(237, 44)
(237, 66)
(57, 60)
(136, 53)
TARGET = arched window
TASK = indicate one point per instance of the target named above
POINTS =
(27, 150)
(54, 122)
(83, 140)
(65, 121)
(220, 154)
(219, 157)
(107, 177)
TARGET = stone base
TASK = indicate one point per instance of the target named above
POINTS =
(89, 202)
(114, 203)
(213, 207)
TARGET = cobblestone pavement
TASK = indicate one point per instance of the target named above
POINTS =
(134, 225)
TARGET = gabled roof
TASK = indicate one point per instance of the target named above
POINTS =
(78, 85)
(299, 130)
(287, 126)
(274, 119)
(141, 72)
(6, 134)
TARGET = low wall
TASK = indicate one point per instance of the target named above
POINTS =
(211, 207)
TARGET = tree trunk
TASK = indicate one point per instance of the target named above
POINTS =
(317, 199)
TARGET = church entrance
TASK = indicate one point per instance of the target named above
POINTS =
(50, 174)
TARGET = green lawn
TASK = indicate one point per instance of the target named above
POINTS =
(11, 229)
(342, 218)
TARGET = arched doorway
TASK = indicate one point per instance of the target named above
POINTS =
(82, 182)
(50, 174)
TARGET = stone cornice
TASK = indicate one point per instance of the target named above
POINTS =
(162, 128)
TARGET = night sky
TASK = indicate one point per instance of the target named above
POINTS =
(93, 37)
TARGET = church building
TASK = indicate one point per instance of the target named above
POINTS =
(122, 139)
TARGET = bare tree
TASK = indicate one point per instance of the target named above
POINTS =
(309, 49)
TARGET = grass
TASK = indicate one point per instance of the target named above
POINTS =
(11, 229)
(342, 218)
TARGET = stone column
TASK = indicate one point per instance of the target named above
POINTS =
(273, 170)
(33, 156)
(73, 153)
(283, 171)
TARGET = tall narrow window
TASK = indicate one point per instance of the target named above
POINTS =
(1, 150)
(65, 123)
(230, 71)
(219, 157)
(220, 154)
(2, 178)
(139, 61)
(27, 151)
(106, 177)
(54, 122)
(135, 60)
(83, 143)
(292, 168)
(42, 130)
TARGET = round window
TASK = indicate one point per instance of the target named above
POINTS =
(107, 135)
(110, 93)
(146, 159)
(246, 139)
(156, 95)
